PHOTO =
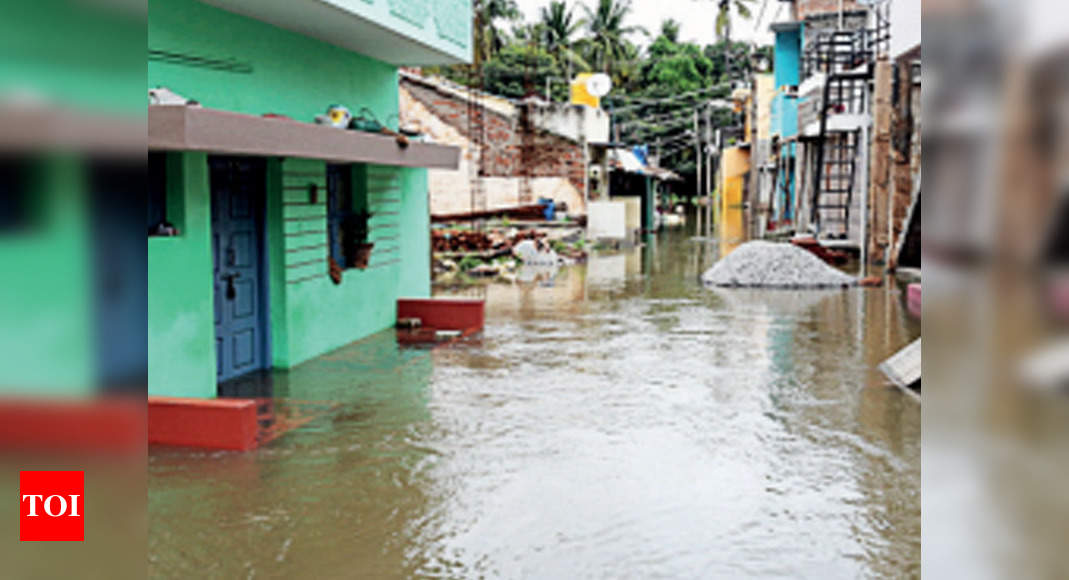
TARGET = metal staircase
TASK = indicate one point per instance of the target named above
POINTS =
(833, 199)
(843, 59)
(833, 209)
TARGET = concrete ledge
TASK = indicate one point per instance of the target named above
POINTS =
(210, 423)
(443, 313)
(181, 128)
(461, 314)
(109, 426)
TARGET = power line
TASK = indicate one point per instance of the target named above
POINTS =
(674, 138)
(636, 125)
(678, 97)
(760, 15)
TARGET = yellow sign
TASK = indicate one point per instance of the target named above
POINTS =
(580, 94)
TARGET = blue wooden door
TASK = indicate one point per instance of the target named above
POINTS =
(238, 190)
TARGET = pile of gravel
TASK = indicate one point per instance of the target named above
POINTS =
(772, 265)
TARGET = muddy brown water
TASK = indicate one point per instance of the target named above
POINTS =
(614, 420)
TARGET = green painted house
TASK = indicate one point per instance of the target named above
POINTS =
(259, 219)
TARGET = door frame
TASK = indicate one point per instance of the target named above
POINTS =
(263, 258)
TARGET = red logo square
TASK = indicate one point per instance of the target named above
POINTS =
(51, 506)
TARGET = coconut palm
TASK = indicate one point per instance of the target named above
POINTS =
(558, 25)
(723, 15)
(488, 38)
(608, 44)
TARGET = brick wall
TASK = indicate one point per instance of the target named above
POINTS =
(554, 164)
(547, 155)
(906, 168)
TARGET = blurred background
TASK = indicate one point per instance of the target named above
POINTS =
(995, 245)
(72, 274)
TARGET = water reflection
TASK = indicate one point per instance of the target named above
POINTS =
(614, 420)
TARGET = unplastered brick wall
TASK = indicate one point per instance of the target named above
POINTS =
(548, 155)
(555, 165)
(512, 151)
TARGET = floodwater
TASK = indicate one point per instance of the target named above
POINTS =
(614, 420)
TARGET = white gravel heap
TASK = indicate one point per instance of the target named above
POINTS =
(774, 265)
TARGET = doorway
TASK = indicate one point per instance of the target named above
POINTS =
(238, 192)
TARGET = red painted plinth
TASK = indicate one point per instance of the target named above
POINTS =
(210, 423)
(106, 426)
(462, 314)
(913, 299)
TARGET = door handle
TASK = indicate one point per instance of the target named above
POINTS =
(231, 292)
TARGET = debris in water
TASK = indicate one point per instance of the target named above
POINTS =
(532, 252)
(904, 368)
(774, 265)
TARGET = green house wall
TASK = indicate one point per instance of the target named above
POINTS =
(270, 70)
(315, 315)
(181, 327)
(45, 296)
(309, 315)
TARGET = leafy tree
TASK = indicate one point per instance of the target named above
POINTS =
(519, 69)
(670, 30)
(558, 29)
(608, 44)
(488, 39)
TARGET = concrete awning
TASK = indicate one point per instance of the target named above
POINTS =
(399, 33)
(41, 128)
(182, 128)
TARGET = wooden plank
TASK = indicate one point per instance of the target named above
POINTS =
(904, 368)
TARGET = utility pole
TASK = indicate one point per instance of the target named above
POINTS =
(709, 172)
(697, 176)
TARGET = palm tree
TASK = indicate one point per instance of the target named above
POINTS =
(558, 25)
(608, 36)
(723, 15)
(488, 38)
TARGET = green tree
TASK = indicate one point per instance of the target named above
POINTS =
(608, 44)
(487, 37)
(670, 30)
(558, 27)
(724, 14)
(518, 69)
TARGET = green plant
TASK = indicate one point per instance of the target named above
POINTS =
(468, 262)
(355, 228)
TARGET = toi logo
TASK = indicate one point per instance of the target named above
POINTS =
(51, 506)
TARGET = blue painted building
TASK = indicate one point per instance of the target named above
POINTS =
(784, 119)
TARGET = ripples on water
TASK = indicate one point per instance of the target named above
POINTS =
(614, 420)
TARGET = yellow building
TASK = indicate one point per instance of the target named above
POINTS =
(731, 217)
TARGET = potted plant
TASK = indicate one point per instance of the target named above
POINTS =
(356, 248)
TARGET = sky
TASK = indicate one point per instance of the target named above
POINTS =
(696, 16)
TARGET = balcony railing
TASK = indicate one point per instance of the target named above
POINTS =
(834, 51)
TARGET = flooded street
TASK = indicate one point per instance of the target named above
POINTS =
(614, 420)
